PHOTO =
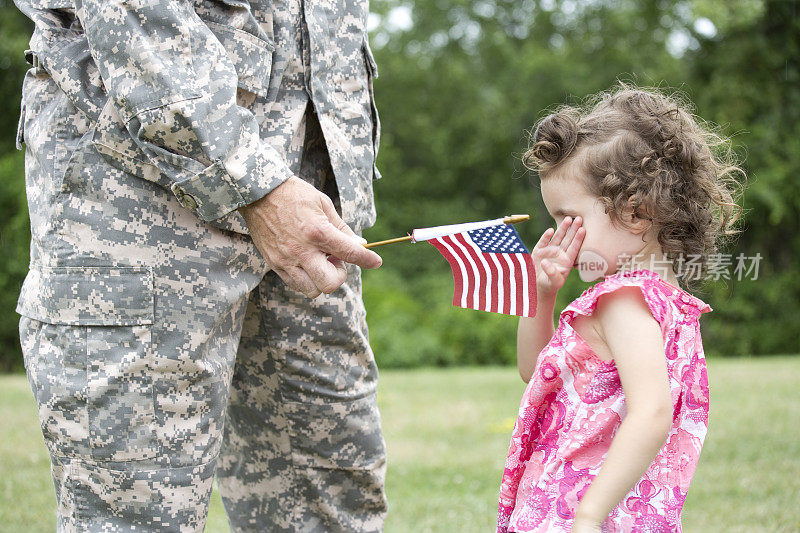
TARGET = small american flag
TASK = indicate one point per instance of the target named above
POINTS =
(492, 269)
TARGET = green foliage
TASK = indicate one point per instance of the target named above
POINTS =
(459, 88)
(16, 30)
(456, 106)
(15, 243)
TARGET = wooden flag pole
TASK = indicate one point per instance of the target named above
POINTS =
(390, 241)
(511, 219)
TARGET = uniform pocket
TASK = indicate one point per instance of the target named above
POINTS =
(112, 140)
(46, 128)
(372, 70)
(339, 435)
(251, 56)
(87, 343)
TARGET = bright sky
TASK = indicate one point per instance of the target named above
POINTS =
(400, 19)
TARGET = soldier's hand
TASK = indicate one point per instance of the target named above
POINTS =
(299, 233)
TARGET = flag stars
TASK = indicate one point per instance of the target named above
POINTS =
(502, 238)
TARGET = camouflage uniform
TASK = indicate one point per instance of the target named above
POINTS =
(159, 345)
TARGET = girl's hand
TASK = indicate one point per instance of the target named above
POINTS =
(585, 525)
(556, 253)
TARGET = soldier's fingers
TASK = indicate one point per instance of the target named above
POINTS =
(331, 234)
(324, 274)
(336, 220)
(297, 279)
(347, 248)
(340, 265)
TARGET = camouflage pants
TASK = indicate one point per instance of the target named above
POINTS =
(162, 350)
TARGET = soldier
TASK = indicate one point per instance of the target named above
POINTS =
(198, 175)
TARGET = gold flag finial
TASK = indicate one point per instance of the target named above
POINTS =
(513, 219)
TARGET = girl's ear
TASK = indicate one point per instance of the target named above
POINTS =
(638, 224)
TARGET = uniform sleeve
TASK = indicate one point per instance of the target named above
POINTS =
(174, 86)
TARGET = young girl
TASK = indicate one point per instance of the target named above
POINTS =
(611, 424)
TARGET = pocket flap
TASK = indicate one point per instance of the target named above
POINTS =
(112, 141)
(251, 56)
(88, 296)
(340, 435)
(21, 127)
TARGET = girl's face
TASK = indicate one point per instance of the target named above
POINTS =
(564, 195)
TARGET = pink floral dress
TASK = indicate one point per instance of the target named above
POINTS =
(574, 404)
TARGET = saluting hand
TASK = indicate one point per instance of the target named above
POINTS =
(555, 254)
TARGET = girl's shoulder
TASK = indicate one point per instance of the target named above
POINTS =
(662, 297)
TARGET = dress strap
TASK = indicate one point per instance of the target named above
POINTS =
(661, 297)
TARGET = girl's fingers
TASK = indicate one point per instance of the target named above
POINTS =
(548, 252)
(551, 270)
(561, 231)
(575, 245)
(570, 235)
(558, 256)
(544, 239)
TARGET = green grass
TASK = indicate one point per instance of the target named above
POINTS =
(447, 434)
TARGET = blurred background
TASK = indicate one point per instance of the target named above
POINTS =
(461, 83)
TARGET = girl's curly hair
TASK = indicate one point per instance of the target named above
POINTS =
(644, 150)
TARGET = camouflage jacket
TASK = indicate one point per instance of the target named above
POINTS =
(160, 80)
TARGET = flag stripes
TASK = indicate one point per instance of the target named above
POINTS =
(496, 281)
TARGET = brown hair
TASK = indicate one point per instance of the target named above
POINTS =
(649, 147)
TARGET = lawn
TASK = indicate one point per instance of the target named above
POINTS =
(447, 434)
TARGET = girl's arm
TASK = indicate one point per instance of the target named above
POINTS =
(533, 334)
(553, 257)
(636, 341)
